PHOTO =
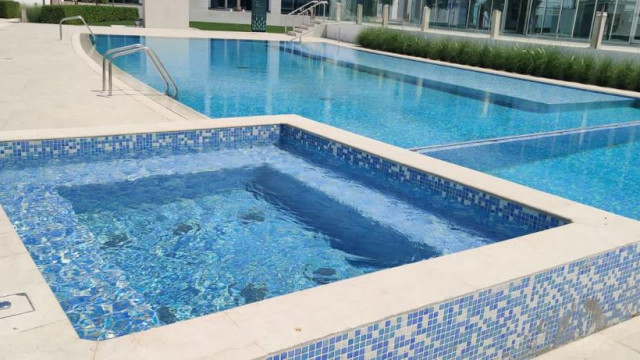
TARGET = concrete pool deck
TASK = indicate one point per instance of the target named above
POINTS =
(50, 91)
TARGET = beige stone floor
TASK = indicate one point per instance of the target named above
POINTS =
(620, 342)
(45, 84)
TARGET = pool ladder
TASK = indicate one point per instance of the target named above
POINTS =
(77, 17)
(111, 55)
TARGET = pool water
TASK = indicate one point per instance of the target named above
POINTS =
(135, 241)
(596, 167)
(385, 98)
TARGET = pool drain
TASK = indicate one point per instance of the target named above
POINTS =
(5, 305)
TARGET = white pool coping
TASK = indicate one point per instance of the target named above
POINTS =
(258, 329)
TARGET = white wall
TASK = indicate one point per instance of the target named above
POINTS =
(168, 14)
(199, 11)
(347, 32)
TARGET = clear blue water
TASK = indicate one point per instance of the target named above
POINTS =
(408, 107)
(141, 240)
(509, 91)
(598, 167)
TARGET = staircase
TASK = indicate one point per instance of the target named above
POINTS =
(304, 19)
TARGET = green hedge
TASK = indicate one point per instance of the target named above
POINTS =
(537, 61)
(91, 14)
(9, 9)
(33, 13)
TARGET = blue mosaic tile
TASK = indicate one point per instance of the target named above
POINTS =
(517, 320)
(486, 204)
(15, 151)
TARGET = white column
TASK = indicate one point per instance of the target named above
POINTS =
(426, 14)
(385, 16)
(597, 32)
(496, 19)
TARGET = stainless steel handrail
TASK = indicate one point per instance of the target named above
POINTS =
(304, 9)
(113, 54)
(108, 54)
(77, 17)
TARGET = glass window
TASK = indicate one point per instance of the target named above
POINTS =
(567, 16)
(620, 20)
(536, 18)
(218, 3)
(551, 17)
(515, 16)
(480, 14)
(584, 18)
(231, 4)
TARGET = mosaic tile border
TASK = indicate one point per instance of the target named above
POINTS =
(486, 204)
(516, 320)
(221, 138)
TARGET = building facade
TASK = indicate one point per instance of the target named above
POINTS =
(561, 19)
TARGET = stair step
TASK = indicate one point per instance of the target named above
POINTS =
(317, 21)
(304, 27)
(292, 33)
(299, 31)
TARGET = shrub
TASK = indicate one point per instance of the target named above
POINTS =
(554, 65)
(538, 61)
(9, 9)
(511, 60)
(33, 13)
(634, 79)
(476, 55)
(465, 53)
(495, 58)
(91, 14)
(622, 75)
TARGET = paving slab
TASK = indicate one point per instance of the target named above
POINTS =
(45, 84)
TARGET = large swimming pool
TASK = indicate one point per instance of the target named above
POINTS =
(402, 102)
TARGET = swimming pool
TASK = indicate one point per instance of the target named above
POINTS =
(401, 102)
(137, 231)
(597, 167)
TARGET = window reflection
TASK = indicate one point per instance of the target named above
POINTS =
(548, 18)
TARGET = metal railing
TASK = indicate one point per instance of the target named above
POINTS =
(78, 17)
(306, 13)
(111, 55)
